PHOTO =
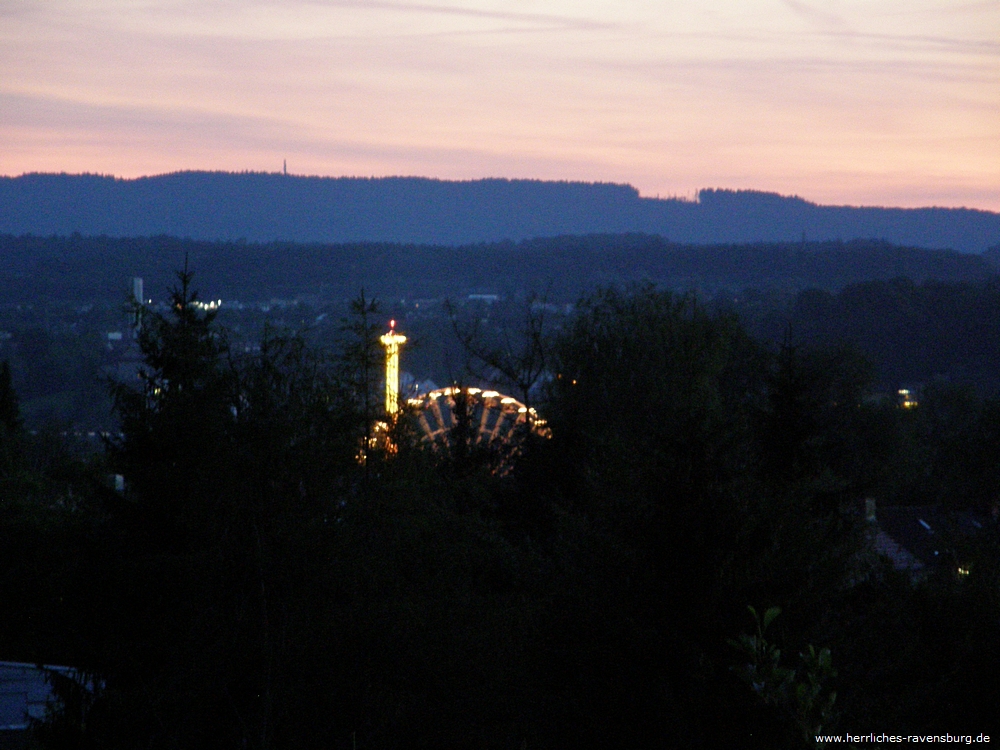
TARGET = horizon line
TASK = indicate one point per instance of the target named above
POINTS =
(695, 198)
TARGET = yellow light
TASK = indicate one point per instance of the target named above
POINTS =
(963, 571)
(392, 341)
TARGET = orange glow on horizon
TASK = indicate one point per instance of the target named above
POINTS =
(862, 102)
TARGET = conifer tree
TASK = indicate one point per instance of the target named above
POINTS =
(10, 412)
(10, 422)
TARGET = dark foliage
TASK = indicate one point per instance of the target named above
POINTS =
(91, 268)
(256, 585)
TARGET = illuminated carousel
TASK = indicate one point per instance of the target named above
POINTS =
(485, 419)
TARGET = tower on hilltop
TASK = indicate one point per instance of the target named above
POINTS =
(392, 341)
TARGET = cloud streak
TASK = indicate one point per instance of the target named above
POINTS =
(824, 99)
(540, 19)
(821, 19)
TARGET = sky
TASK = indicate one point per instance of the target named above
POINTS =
(847, 102)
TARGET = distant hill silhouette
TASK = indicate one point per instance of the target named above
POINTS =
(261, 207)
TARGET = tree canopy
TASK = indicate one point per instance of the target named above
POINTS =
(255, 584)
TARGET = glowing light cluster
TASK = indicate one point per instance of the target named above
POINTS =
(493, 415)
(214, 304)
(392, 341)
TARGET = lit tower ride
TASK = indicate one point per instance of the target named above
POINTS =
(392, 341)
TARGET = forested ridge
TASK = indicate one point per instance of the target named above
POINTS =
(90, 268)
(270, 576)
(263, 207)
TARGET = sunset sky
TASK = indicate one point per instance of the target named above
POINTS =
(873, 102)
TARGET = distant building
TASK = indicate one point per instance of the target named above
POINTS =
(920, 539)
(410, 387)
(139, 298)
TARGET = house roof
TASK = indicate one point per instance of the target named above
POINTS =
(24, 693)
(918, 536)
(917, 530)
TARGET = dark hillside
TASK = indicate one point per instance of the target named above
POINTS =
(911, 333)
(95, 268)
(261, 207)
